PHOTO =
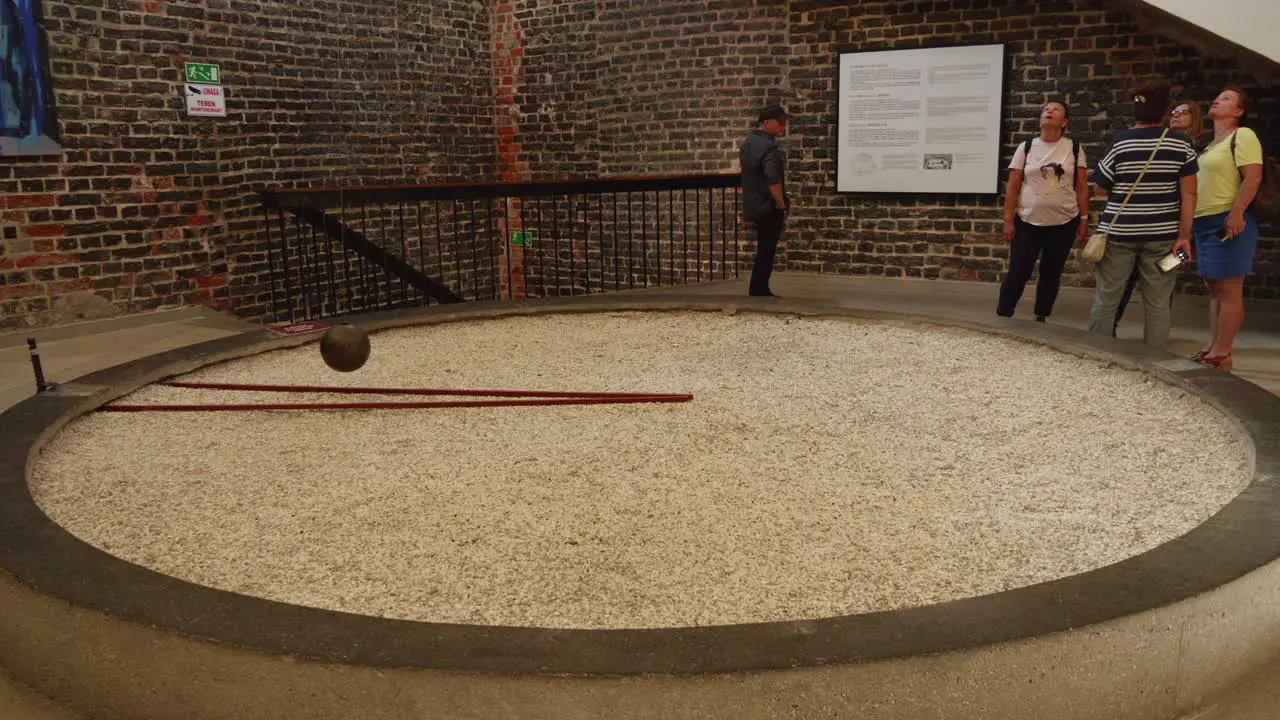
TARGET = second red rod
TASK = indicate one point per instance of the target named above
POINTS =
(402, 405)
(541, 398)
(410, 391)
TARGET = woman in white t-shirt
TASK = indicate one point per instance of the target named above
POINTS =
(1046, 211)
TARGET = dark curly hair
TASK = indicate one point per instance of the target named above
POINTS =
(1151, 101)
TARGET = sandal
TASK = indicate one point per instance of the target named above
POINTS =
(1198, 356)
(1221, 362)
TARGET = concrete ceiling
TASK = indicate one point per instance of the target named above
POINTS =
(1243, 29)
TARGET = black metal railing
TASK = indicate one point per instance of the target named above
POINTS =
(334, 251)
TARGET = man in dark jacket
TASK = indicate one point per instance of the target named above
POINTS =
(764, 199)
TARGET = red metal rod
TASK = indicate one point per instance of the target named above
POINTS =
(407, 391)
(401, 405)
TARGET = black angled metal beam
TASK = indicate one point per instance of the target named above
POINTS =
(362, 246)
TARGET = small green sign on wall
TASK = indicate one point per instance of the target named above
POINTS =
(203, 73)
(521, 238)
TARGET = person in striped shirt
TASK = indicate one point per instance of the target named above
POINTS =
(1156, 219)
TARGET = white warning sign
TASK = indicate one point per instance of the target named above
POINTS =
(206, 100)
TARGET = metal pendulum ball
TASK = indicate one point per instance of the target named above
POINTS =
(345, 348)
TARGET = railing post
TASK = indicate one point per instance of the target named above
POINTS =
(404, 253)
(304, 270)
(671, 233)
(644, 240)
(697, 230)
(495, 282)
(271, 263)
(556, 244)
(631, 259)
(573, 254)
(284, 262)
(684, 236)
(600, 234)
(538, 245)
(617, 276)
(457, 252)
(711, 233)
(475, 259)
(439, 242)
(737, 225)
(723, 236)
(346, 260)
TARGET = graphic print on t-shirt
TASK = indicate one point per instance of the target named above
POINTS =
(1048, 194)
(1051, 176)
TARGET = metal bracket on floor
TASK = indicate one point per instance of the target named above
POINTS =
(41, 385)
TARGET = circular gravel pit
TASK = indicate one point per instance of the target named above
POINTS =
(825, 467)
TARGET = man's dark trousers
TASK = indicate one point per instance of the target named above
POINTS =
(768, 233)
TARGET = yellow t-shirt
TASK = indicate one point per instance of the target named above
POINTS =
(1219, 178)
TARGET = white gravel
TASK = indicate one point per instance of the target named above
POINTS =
(825, 467)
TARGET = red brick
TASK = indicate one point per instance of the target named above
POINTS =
(10, 292)
(44, 231)
(31, 201)
(46, 260)
(63, 287)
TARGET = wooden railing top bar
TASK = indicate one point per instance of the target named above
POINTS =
(377, 194)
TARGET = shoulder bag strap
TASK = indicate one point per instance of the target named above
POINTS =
(1233, 153)
(1075, 162)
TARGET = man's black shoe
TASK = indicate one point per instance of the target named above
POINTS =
(766, 293)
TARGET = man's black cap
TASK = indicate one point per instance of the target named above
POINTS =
(772, 112)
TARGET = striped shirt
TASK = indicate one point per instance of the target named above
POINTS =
(1154, 210)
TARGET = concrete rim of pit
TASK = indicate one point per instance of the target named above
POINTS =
(1242, 537)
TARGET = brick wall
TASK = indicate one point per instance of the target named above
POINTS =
(610, 88)
(148, 208)
(614, 87)
(1078, 49)
(673, 84)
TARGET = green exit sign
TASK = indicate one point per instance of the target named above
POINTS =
(203, 73)
(521, 238)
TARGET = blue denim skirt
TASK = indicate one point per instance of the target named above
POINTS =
(1219, 259)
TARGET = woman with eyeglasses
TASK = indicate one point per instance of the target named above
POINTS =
(1226, 229)
(1186, 119)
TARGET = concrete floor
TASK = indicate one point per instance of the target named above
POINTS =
(1256, 352)
(67, 352)
(73, 350)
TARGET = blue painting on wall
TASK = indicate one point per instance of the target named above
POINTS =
(28, 123)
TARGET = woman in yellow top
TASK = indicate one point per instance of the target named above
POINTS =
(1226, 229)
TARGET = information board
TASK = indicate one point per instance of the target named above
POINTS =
(922, 120)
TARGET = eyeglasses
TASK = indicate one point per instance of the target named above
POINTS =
(1180, 112)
